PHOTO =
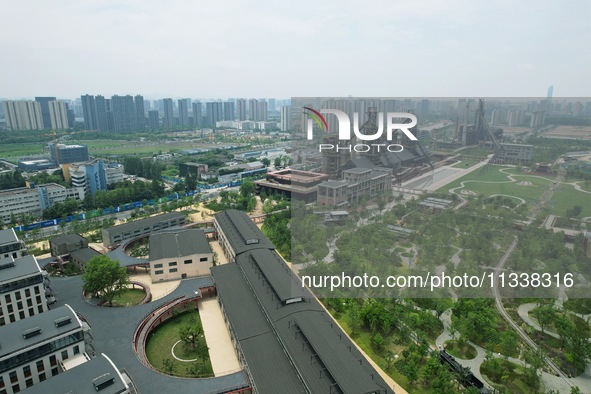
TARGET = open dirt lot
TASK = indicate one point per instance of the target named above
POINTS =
(583, 132)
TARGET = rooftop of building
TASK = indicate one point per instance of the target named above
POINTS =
(67, 239)
(333, 184)
(8, 236)
(23, 190)
(147, 222)
(37, 329)
(241, 232)
(12, 269)
(97, 375)
(358, 170)
(85, 254)
(178, 243)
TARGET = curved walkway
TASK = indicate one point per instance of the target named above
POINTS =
(523, 312)
(113, 330)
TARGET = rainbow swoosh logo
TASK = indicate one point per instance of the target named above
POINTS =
(318, 118)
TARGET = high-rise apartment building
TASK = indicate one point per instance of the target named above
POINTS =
(240, 109)
(45, 112)
(253, 105)
(58, 115)
(89, 112)
(197, 115)
(140, 113)
(22, 115)
(285, 118)
(229, 110)
(262, 112)
(153, 120)
(183, 112)
(124, 112)
(168, 118)
(214, 112)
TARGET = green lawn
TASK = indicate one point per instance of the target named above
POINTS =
(466, 162)
(163, 338)
(505, 374)
(17, 150)
(129, 297)
(578, 305)
(465, 352)
(567, 196)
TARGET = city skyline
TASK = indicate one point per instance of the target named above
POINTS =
(456, 48)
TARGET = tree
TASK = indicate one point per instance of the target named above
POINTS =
(277, 162)
(247, 188)
(104, 277)
(266, 162)
(191, 334)
(545, 315)
(169, 365)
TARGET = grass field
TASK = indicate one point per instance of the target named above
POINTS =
(129, 297)
(510, 376)
(567, 196)
(164, 337)
(18, 150)
(465, 352)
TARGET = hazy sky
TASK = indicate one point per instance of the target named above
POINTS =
(206, 49)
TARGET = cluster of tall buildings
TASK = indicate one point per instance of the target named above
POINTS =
(41, 114)
(117, 114)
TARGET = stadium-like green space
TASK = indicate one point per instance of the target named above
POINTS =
(187, 363)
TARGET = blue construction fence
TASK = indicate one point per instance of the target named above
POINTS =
(122, 208)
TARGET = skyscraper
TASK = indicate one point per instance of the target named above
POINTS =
(168, 118)
(241, 109)
(550, 92)
(229, 110)
(140, 113)
(102, 114)
(262, 110)
(271, 104)
(183, 112)
(44, 102)
(124, 111)
(22, 115)
(90, 113)
(285, 118)
(58, 115)
(153, 120)
(214, 112)
(253, 112)
(197, 115)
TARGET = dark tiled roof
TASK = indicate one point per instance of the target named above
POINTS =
(147, 222)
(8, 237)
(80, 379)
(67, 239)
(241, 232)
(11, 269)
(11, 335)
(178, 243)
(85, 254)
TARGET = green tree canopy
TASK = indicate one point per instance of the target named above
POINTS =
(105, 278)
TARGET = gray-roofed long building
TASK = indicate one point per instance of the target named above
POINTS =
(179, 254)
(67, 243)
(285, 339)
(81, 257)
(22, 289)
(117, 234)
(97, 375)
(237, 233)
(35, 349)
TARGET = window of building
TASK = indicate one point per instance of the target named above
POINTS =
(158, 272)
(13, 377)
(27, 292)
(17, 295)
(202, 259)
(7, 298)
(21, 315)
(29, 302)
(40, 308)
(12, 318)
(40, 366)
(2, 321)
(42, 377)
(38, 299)
(52, 360)
(157, 265)
(188, 261)
(173, 270)
(54, 371)
(172, 264)
(19, 305)
(1, 382)
(16, 388)
(27, 370)
(29, 382)
(76, 349)
(37, 290)
(64, 355)
(31, 311)
(10, 308)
